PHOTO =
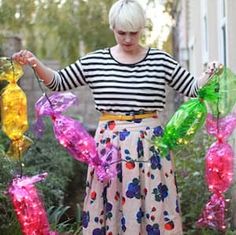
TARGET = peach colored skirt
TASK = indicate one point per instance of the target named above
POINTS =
(143, 198)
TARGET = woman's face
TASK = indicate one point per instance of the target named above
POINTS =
(128, 41)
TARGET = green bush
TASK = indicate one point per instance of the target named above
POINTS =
(66, 179)
(8, 222)
(46, 155)
(56, 217)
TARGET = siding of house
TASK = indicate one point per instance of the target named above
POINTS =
(204, 21)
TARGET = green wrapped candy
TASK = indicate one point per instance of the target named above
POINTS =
(225, 83)
(188, 119)
(182, 126)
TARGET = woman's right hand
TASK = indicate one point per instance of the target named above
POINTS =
(25, 57)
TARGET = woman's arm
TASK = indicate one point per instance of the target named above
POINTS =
(184, 82)
(68, 78)
(25, 57)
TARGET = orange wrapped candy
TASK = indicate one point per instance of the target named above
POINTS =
(14, 108)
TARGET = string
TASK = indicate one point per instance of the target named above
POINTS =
(217, 72)
(21, 163)
(41, 87)
(135, 161)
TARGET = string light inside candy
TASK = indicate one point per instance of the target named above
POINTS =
(28, 206)
(14, 108)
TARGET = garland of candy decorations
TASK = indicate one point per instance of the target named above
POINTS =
(69, 132)
(27, 204)
(217, 95)
(219, 159)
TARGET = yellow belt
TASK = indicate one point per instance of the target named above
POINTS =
(107, 116)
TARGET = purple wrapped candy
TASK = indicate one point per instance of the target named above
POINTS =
(59, 102)
(108, 167)
(221, 128)
(71, 134)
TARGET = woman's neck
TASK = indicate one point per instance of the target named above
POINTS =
(129, 56)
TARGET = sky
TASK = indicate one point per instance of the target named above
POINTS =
(161, 21)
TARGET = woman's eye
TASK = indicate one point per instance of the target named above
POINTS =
(133, 33)
(121, 33)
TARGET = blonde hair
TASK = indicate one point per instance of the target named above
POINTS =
(127, 15)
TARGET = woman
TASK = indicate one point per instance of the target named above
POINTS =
(128, 85)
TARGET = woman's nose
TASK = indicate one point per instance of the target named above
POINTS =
(127, 38)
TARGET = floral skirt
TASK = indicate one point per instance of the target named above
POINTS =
(143, 198)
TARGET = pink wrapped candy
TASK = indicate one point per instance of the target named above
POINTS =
(219, 158)
(71, 134)
(219, 167)
(218, 171)
(28, 206)
(213, 214)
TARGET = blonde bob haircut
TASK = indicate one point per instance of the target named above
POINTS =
(127, 15)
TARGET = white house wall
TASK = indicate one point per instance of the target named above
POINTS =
(213, 30)
(231, 11)
(194, 28)
(195, 32)
(194, 37)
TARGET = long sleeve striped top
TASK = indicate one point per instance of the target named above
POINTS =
(120, 88)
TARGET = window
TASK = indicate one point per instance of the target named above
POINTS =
(223, 47)
(223, 32)
(204, 26)
(192, 53)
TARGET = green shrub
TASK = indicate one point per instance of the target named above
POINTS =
(62, 225)
(8, 222)
(46, 155)
(66, 179)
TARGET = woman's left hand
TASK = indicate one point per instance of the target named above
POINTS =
(213, 67)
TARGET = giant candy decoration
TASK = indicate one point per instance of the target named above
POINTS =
(186, 121)
(218, 95)
(71, 134)
(182, 126)
(28, 206)
(14, 108)
(218, 171)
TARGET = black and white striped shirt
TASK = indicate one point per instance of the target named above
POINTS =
(118, 87)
